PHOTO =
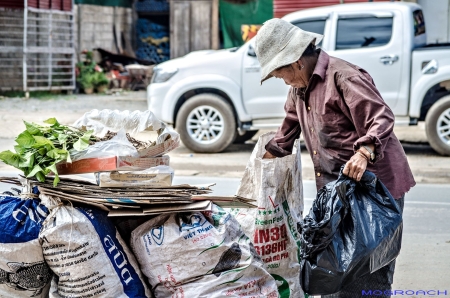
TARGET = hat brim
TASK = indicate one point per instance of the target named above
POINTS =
(291, 53)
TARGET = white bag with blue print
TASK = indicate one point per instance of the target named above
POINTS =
(23, 271)
(85, 251)
(200, 254)
(277, 186)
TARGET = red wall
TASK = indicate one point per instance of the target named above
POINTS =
(43, 4)
(11, 3)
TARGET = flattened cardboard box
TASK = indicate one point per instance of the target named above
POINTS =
(114, 163)
(132, 179)
(159, 149)
(141, 163)
(155, 210)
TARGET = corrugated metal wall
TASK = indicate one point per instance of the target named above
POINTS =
(41, 4)
(11, 3)
(283, 7)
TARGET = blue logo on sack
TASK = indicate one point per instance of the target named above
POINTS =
(158, 235)
(195, 221)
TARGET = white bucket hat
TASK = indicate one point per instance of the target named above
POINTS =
(279, 43)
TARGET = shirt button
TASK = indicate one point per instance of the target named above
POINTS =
(312, 129)
(318, 174)
(309, 108)
(315, 152)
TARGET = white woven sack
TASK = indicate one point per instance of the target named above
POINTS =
(277, 186)
(23, 271)
(85, 251)
(200, 255)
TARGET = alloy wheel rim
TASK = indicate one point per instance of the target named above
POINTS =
(443, 127)
(205, 124)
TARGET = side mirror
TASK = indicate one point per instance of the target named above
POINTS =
(251, 51)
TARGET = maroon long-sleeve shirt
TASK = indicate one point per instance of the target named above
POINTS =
(339, 110)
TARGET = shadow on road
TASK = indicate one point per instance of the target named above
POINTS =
(418, 148)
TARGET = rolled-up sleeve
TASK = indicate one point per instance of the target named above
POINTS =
(373, 119)
(283, 142)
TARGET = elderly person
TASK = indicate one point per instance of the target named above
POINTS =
(342, 116)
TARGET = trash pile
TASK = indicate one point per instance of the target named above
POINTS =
(129, 233)
(133, 177)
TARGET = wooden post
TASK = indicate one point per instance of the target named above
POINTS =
(215, 25)
(24, 50)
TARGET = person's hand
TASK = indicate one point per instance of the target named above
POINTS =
(268, 155)
(356, 166)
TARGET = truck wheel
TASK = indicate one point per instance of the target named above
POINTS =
(206, 123)
(437, 125)
(245, 137)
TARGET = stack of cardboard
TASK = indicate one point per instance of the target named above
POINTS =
(137, 201)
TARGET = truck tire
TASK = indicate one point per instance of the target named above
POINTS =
(206, 123)
(437, 125)
(245, 137)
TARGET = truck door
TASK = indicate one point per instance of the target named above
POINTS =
(261, 101)
(369, 41)
(267, 100)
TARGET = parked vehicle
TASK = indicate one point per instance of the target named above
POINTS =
(214, 98)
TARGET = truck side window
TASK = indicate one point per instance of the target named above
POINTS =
(354, 33)
(419, 23)
(316, 26)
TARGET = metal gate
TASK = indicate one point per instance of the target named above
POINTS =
(37, 50)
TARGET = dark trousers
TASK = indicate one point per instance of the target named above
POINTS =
(381, 279)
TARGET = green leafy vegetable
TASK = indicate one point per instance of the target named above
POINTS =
(10, 158)
(41, 147)
(83, 142)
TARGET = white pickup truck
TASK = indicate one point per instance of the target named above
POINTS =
(214, 98)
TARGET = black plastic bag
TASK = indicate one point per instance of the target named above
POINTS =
(353, 229)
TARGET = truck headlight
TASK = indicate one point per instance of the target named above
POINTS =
(161, 75)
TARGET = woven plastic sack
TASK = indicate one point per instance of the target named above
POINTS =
(200, 255)
(277, 186)
(85, 251)
(23, 271)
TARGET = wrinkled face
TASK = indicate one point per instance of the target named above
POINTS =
(291, 75)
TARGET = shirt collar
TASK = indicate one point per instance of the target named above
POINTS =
(322, 64)
(320, 68)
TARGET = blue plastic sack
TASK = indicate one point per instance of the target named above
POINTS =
(353, 229)
(23, 271)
